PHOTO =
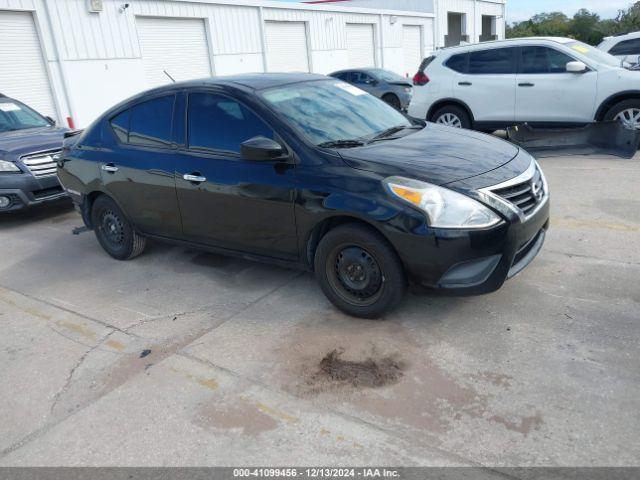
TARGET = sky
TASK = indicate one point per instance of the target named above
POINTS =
(518, 10)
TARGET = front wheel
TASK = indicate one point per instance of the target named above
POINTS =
(114, 232)
(359, 271)
(452, 116)
(627, 112)
(392, 100)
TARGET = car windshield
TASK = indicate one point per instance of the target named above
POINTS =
(333, 111)
(594, 54)
(387, 76)
(16, 116)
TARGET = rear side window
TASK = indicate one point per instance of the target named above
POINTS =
(120, 126)
(543, 60)
(458, 63)
(628, 47)
(361, 78)
(494, 61)
(150, 122)
(344, 76)
(216, 122)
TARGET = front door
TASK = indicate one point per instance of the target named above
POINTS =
(227, 201)
(546, 92)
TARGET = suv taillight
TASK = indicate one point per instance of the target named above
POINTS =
(420, 79)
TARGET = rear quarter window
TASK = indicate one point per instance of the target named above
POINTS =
(458, 63)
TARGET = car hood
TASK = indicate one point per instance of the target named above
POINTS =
(435, 154)
(21, 142)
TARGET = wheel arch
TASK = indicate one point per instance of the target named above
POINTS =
(612, 100)
(327, 224)
(449, 101)
(90, 200)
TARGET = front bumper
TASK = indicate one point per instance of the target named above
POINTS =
(472, 262)
(25, 190)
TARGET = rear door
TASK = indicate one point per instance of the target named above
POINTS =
(234, 203)
(137, 165)
(486, 82)
(546, 92)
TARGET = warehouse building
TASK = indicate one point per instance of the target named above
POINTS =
(72, 59)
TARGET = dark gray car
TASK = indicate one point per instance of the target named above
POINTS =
(394, 89)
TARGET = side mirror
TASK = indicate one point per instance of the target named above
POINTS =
(576, 67)
(51, 120)
(261, 149)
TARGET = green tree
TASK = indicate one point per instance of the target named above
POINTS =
(585, 26)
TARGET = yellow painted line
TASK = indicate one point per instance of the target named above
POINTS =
(571, 223)
(273, 412)
(79, 329)
(115, 345)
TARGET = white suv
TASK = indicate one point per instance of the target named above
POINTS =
(542, 81)
(625, 47)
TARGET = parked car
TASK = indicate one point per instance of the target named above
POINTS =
(311, 172)
(624, 47)
(28, 142)
(394, 89)
(542, 81)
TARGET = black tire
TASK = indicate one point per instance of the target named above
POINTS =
(631, 104)
(359, 271)
(114, 232)
(392, 100)
(455, 110)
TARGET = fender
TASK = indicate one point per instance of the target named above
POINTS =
(612, 100)
(447, 100)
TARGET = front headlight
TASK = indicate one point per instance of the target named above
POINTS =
(444, 208)
(8, 166)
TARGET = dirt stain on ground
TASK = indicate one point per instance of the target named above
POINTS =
(371, 372)
(239, 415)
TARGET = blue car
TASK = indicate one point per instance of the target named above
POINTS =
(28, 144)
(397, 91)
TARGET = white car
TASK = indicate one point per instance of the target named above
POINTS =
(625, 47)
(542, 81)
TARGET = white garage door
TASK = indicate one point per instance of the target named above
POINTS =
(286, 47)
(360, 45)
(411, 42)
(23, 74)
(177, 45)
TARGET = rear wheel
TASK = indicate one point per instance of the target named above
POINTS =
(359, 271)
(114, 232)
(627, 112)
(392, 100)
(452, 116)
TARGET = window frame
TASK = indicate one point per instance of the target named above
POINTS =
(226, 154)
(172, 145)
(520, 62)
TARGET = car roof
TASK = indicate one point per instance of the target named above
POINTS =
(253, 81)
(506, 43)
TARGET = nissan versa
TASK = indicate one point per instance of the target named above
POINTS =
(304, 170)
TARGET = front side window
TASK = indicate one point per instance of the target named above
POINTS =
(16, 116)
(628, 47)
(216, 122)
(544, 60)
(494, 61)
(150, 122)
(331, 110)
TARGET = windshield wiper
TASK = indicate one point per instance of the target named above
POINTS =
(344, 143)
(393, 130)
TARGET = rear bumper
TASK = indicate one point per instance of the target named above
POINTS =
(25, 190)
(472, 262)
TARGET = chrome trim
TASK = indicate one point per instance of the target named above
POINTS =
(194, 178)
(522, 178)
(109, 168)
(41, 164)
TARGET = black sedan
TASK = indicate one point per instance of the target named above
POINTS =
(308, 171)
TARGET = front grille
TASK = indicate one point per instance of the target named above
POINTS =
(526, 195)
(41, 164)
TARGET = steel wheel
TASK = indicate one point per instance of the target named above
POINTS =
(355, 275)
(112, 228)
(630, 117)
(449, 119)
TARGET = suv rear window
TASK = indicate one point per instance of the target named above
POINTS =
(458, 63)
(494, 61)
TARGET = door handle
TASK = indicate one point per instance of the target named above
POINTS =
(526, 84)
(194, 178)
(465, 84)
(110, 168)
